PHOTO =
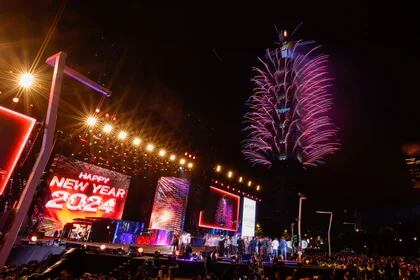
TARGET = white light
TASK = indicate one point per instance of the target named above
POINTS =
(122, 135)
(15, 99)
(102, 247)
(172, 157)
(240, 179)
(415, 238)
(162, 153)
(182, 161)
(258, 187)
(107, 128)
(136, 141)
(218, 168)
(26, 80)
(230, 174)
(34, 238)
(190, 165)
(150, 147)
(249, 183)
(140, 250)
(91, 121)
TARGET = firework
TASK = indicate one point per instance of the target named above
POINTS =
(289, 111)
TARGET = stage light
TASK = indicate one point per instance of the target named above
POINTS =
(140, 250)
(162, 153)
(230, 174)
(136, 141)
(150, 147)
(190, 165)
(258, 187)
(34, 238)
(218, 168)
(107, 128)
(15, 99)
(26, 80)
(102, 247)
(182, 161)
(91, 121)
(249, 183)
(240, 179)
(122, 135)
(97, 110)
(172, 157)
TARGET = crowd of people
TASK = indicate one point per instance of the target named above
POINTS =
(368, 267)
(264, 247)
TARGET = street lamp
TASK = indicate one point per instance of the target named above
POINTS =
(58, 62)
(301, 198)
(354, 224)
(329, 229)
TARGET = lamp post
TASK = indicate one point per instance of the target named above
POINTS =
(329, 229)
(301, 198)
(354, 224)
(57, 61)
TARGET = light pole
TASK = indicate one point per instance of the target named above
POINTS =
(354, 224)
(292, 227)
(57, 61)
(301, 198)
(329, 229)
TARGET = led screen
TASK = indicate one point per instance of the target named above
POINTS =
(248, 217)
(170, 204)
(15, 129)
(78, 189)
(221, 211)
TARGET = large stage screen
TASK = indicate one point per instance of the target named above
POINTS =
(15, 129)
(78, 189)
(221, 211)
(169, 206)
(248, 217)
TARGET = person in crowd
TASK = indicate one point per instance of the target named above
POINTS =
(235, 244)
(283, 248)
(275, 247)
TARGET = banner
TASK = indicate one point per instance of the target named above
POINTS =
(169, 206)
(78, 189)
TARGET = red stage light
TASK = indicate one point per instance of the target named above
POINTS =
(12, 142)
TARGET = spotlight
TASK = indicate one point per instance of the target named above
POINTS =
(190, 165)
(102, 247)
(122, 135)
(140, 250)
(150, 147)
(34, 238)
(218, 168)
(136, 141)
(249, 183)
(107, 128)
(15, 99)
(26, 80)
(172, 157)
(182, 161)
(240, 179)
(230, 174)
(97, 110)
(258, 187)
(162, 153)
(91, 121)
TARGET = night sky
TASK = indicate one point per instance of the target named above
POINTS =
(193, 63)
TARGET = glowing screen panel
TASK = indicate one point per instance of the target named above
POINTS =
(15, 129)
(248, 217)
(169, 206)
(78, 189)
(221, 212)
